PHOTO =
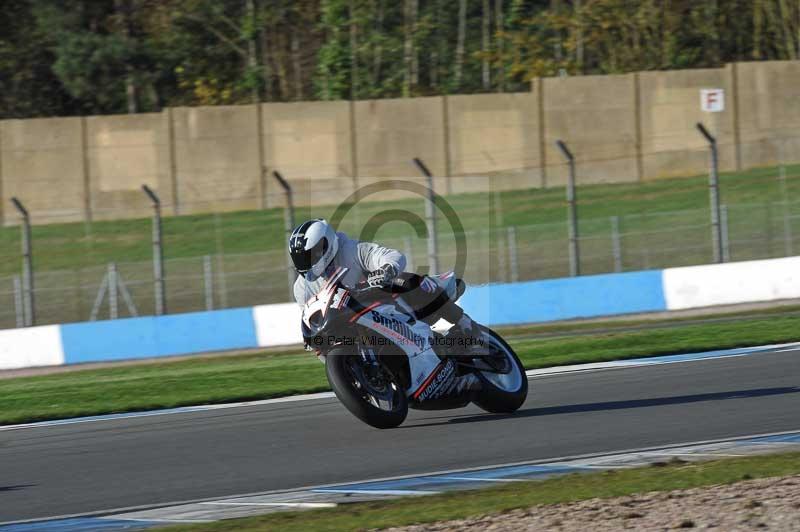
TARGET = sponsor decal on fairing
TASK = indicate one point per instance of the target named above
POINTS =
(441, 383)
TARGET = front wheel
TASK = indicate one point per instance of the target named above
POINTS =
(366, 389)
(502, 393)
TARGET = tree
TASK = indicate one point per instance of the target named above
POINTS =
(89, 57)
(462, 35)
(28, 86)
(100, 58)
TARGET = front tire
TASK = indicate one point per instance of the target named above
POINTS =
(502, 394)
(356, 397)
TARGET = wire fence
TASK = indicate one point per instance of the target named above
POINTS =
(514, 231)
(502, 254)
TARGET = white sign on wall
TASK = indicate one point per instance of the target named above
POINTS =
(712, 100)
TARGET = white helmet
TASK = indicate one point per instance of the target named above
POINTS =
(312, 246)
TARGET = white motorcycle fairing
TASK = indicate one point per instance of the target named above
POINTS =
(430, 376)
(415, 338)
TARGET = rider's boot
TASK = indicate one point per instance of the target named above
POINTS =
(466, 332)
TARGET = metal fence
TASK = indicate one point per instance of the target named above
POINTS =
(501, 254)
(105, 269)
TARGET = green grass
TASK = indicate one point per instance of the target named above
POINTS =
(617, 325)
(683, 339)
(570, 488)
(80, 245)
(247, 377)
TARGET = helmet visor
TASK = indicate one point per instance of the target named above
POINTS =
(305, 259)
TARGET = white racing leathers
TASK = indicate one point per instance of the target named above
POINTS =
(359, 258)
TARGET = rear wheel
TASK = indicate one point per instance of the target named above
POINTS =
(366, 389)
(505, 391)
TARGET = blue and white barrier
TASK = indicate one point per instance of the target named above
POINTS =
(150, 337)
(497, 304)
(732, 283)
(563, 299)
(158, 336)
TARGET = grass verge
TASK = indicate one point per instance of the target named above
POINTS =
(221, 379)
(460, 505)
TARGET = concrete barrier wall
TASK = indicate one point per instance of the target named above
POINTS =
(595, 117)
(670, 108)
(497, 304)
(769, 112)
(125, 152)
(392, 132)
(217, 158)
(621, 128)
(42, 162)
(311, 145)
(493, 133)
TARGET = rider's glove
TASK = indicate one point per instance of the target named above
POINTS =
(382, 277)
(311, 349)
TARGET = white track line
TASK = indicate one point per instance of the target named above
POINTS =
(374, 492)
(158, 520)
(287, 504)
(474, 479)
(534, 373)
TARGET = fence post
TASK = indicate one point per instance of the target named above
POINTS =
(513, 261)
(430, 219)
(222, 283)
(409, 252)
(158, 254)
(208, 282)
(28, 304)
(113, 304)
(723, 222)
(574, 249)
(18, 305)
(288, 217)
(781, 161)
(713, 185)
(616, 244)
(788, 237)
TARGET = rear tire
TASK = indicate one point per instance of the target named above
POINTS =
(342, 383)
(494, 398)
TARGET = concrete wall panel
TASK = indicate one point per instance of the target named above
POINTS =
(217, 158)
(769, 116)
(595, 117)
(670, 110)
(42, 165)
(125, 152)
(390, 133)
(495, 134)
(310, 144)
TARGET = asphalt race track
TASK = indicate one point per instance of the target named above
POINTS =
(102, 465)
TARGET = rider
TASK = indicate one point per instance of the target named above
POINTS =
(317, 251)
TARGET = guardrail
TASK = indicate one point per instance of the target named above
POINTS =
(494, 304)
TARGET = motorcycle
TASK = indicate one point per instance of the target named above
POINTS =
(381, 360)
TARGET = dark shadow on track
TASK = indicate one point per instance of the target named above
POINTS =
(616, 405)
(15, 488)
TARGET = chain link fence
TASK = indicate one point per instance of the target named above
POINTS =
(514, 232)
(515, 253)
